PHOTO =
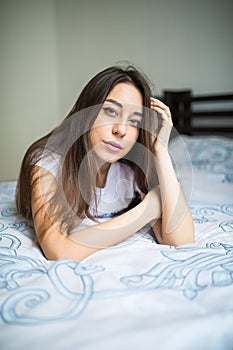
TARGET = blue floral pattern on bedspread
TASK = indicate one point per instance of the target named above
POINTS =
(23, 299)
(212, 155)
(183, 270)
(179, 271)
(213, 213)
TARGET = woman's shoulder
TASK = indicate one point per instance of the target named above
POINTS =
(50, 161)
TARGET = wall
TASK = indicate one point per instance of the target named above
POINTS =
(192, 45)
(51, 48)
(28, 86)
(95, 34)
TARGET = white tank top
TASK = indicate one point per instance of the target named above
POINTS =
(119, 191)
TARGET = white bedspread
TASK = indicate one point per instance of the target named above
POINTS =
(137, 295)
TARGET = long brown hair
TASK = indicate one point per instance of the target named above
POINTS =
(71, 141)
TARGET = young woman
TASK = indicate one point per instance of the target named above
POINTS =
(105, 172)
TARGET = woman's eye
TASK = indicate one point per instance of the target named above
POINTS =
(110, 111)
(135, 122)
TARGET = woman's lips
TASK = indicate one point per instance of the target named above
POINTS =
(113, 146)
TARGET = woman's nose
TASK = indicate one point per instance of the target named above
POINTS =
(119, 129)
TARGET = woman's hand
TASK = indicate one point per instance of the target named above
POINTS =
(165, 125)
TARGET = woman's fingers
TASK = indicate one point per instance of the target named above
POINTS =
(163, 134)
(161, 109)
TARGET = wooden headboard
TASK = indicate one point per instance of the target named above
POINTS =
(200, 114)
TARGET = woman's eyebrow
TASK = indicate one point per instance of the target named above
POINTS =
(138, 113)
(115, 102)
(120, 105)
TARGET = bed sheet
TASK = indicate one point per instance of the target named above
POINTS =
(135, 295)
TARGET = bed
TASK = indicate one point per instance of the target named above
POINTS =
(138, 294)
(200, 114)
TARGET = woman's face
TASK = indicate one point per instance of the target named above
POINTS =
(116, 128)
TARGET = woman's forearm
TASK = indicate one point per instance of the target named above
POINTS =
(120, 228)
(177, 224)
(83, 243)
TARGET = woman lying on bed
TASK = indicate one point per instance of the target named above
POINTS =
(105, 172)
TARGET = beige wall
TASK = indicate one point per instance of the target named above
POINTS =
(29, 78)
(51, 48)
